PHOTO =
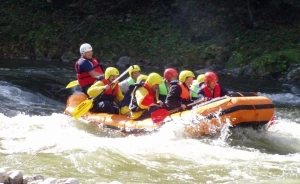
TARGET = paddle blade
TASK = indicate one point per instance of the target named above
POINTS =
(82, 108)
(72, 84)
(159, 115)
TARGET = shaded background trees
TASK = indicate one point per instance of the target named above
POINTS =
(190, 32)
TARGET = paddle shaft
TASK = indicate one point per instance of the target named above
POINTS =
(160, 114)
(85, 106)
(120, 76)
(188, 105)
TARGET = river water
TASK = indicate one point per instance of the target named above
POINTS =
(38, 138)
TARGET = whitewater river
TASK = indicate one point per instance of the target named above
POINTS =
(38, 138)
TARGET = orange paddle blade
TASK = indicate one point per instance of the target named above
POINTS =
(159, 115)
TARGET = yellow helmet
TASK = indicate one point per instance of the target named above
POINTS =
(154, 78)
(111, 71)
(134, 68)
(184, 74)
(141, 77)
(200, 78)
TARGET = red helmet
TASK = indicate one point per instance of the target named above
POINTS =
(170, 72)
(210, 76)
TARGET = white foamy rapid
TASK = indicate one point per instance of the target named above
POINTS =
(55, 144)
(243, 155)
(16, 100)
(283, 98)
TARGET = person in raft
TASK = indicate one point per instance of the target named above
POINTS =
(210, 88)
(179, 93)
(170, 74)
(112, 95)
(144, 99)
(133, 72)
(87, 68)
(127, 97)
(195, 86)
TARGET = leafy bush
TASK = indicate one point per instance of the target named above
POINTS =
(235, 60)
(277, 63)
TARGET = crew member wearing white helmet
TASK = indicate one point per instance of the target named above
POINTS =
(87, 68)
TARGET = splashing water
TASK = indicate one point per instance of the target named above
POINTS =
(37, 138)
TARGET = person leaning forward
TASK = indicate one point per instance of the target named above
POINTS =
(179, 92)
(170, 74)
(134, 73)
(112, 95)
(87, 68)
(128, 95)
(145, 99)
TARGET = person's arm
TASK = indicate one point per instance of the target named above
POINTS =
(96, 89)
(173, 99)
(201, 94)
(223, 91)
(119, 97)
(126, 100)
(95, 74)
(86, 66)
(143, 98)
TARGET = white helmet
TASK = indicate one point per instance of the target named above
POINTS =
(85, 48)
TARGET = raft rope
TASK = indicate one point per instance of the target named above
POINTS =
(251, 104)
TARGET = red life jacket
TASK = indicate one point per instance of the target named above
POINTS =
(149, 98)
(216, 92)
(150, 91)
(84, 78)
(110, 91)
(185, 93)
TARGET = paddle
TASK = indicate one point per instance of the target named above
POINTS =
(72, 84)
(86, 105)
(159, 115)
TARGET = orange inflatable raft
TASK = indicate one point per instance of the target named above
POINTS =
(238, 109)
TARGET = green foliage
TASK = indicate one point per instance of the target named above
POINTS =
(143, 38)
(186, 32)
(210, 51)
(277, 62)
(291, 55)
(235, 60)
